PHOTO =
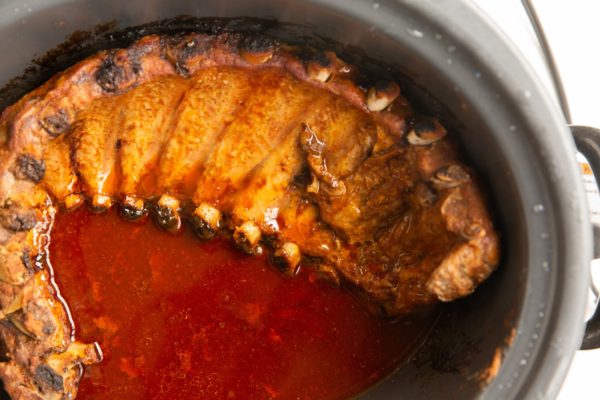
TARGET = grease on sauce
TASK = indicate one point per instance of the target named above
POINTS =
(178, 318)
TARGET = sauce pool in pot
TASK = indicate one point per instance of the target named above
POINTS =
(178, 318)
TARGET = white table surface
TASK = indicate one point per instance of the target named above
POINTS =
(573, 30)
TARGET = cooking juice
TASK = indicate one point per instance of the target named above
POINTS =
(179, 318)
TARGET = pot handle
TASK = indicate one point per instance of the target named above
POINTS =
(587, 140)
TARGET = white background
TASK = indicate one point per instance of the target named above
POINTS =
(573, 30)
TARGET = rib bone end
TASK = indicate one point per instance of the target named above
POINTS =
(425, 132)
(168, 213)
(101, 203)
(206, 221)
(247, 236)
(382, 95)
(287, 258)
(73, 201)
(133, 208)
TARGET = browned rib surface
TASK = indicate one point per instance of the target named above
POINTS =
(95, 135)
(59, 179)
(208, 107)
(148, 112)
(277, 105)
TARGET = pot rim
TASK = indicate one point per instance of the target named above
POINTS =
(551, 320)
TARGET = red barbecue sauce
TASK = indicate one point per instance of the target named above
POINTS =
(178, 318)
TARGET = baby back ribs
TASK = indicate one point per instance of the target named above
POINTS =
(239, 135)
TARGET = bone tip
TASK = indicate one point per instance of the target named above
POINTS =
(380, 96)
(320, 67)
(425, 131)
(206, 221)
(450, 176)
(318, 73)
(167, 213)
(133, 208)
(247, 236)
(101, 203)
(209, 214)
(168, 201)
(287, 257)
(73, 201)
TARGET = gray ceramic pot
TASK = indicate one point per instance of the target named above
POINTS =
(532, 309)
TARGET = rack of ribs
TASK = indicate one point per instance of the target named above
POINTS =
(274, 146)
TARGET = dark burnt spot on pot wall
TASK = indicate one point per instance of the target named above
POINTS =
(456, 347)
(449, 354)
(76, 43)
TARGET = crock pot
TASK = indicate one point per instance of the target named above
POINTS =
(516, 335)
